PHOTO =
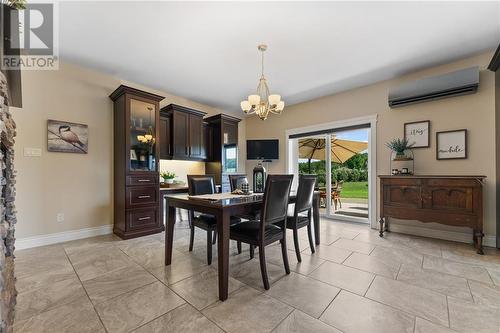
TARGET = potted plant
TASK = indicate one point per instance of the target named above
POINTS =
(399, 146)
(168, 177)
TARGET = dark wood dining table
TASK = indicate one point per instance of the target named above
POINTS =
(222, 210)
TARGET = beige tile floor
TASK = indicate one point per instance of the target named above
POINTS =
(355, 282)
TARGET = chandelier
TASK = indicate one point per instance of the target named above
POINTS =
(262, 103)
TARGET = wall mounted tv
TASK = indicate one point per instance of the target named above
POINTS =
(263, 149)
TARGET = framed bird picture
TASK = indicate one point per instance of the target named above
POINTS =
(66, 137)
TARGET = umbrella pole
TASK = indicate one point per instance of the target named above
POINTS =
(309, 165)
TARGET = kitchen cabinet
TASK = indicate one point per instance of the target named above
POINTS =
(184, 129)
(223, 151)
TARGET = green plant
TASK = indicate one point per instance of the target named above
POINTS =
(16, 4)
(399, 145)
(167, 175)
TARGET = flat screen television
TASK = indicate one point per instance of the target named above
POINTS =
(263, 149)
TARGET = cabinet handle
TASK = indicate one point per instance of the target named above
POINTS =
(143, 180)
(144, 196)
(144, 218)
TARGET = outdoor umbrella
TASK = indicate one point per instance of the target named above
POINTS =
(342, 150)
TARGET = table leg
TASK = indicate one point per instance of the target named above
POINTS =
(316, 219)
(223, 220)
(169, 234)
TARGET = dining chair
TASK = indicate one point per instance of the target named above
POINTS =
(198, 185)
(235, 182)
(265, 231)
(336, 194)
(301, 215)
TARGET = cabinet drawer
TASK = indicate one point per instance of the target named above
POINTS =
(141, 196)
(142, 180)
(142, 218)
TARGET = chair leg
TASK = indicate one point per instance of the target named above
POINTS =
(263, 269)
(284, 253)
(191, 239)
(309, 234)
(296, 243)
(209, 247)
(238, 245)
(252, 251)
(215, 237)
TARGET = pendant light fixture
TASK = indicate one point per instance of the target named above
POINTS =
(263, 103)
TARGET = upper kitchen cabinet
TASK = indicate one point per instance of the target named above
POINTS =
(182, 132)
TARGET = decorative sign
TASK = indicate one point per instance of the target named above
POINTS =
(418, 133)
(67, 137)
(451, 144)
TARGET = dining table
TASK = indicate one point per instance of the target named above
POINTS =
(222, 207)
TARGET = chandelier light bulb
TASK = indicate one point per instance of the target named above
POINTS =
(280, 106)
(254, 100)
(246, 106)
(274, 99)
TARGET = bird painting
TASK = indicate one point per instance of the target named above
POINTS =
(67, 137)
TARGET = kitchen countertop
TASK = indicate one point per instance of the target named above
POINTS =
(174, 189)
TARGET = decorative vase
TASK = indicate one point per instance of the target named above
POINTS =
(259, 178)
(169, 181)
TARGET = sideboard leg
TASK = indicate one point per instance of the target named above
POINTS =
(479, 242)
(381, 221)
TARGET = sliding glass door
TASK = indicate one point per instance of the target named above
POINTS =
(340, 159)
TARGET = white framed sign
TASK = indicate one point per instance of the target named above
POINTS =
(418, 133)
(451, 144)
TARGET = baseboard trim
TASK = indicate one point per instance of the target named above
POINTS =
(488, 240)
(59, 237)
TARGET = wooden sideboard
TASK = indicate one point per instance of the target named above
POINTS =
(450, 200)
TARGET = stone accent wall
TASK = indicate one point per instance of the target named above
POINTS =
(8, 291)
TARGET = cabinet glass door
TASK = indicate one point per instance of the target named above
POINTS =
(142, 136)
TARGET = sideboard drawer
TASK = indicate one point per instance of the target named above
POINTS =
(142, 180)
(142, 218)
(142, 196)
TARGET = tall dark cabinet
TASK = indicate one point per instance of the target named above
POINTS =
(136, 156)
(222, 159)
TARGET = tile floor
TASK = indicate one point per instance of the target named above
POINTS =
(355, 282)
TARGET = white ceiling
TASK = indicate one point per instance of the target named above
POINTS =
(207, 51)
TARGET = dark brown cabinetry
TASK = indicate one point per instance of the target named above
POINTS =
(165, 141)
(223, 154)
(450, 200)
(136, 151)
(182, 132)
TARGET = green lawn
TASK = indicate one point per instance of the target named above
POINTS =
(355, 190)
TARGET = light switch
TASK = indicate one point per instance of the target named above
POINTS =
(32, 152)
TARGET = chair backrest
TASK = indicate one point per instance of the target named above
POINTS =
(235, 181)
(339, 186)
(305, 193)
(201, 184)
(275, 201)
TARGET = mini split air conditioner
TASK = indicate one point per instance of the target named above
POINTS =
(465, 81)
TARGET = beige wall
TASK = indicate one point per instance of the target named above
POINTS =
(473, 112)
(80, 186)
